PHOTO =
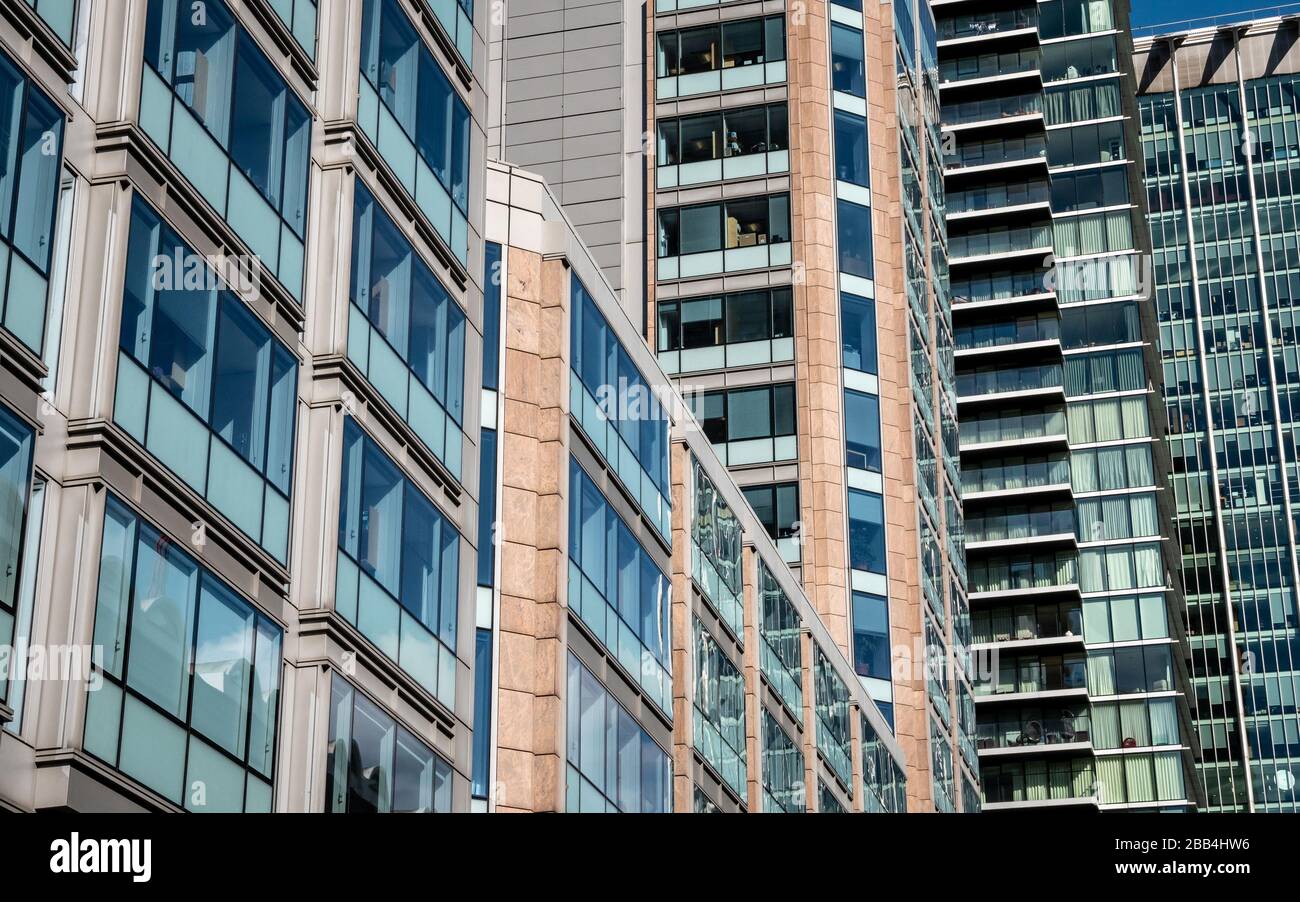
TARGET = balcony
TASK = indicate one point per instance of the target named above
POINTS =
(984, 69)
(1036, 679)
(1051, 536)
(989, 433)
(997, 245)
(1026, 579)
(978, 114)
(1019, 525)
(1089, 802)
(1033, 384)
(1063, 734)
(997, 200)
(1007, 342)
(970, 340)
(1025, 288)
(975, 157)
(1014, 475)
(984, 27)
(1027, 626)
(1021, 592)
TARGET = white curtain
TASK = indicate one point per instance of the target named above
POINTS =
(1092, 571)
(1145, 516)
(1110, 774)
(1101, 674)
(1133, 723)
(1150, 570)
(1083, 472)
(1119, 569)
(1105, 726)
(1164, 722)
(1110, 468)
(1169, 776)
(1140, 777)
(1138, 459)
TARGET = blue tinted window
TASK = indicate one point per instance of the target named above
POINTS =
(719, 722)
(602, 539)
(191, 693)
(852, 153)
(60, 15)
(411, 84)
(862, 431)
(848, 63)
(482, 714)
(398, 567)
(492, 276)
(217, 106)
(299, 16)
(31, 159)
(15, 484)
(375, 765)
(614, 405)
(203, 384)
(859, 328)
(871, 635)
(854, 225)
(866, 532)
(831, 706)
(407, 334)
(487, 506)
(270, 134)
(613, 764)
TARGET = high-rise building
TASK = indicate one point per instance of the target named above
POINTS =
(653, 650)
(769, 174)
(799, 298)
(1063, 471)
(1219, 113)
(334, 475)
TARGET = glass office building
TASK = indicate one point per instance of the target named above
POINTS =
(1219, 112)
(1076, 620)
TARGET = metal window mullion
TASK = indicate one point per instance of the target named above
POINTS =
(1266, 311)
(1220, 554)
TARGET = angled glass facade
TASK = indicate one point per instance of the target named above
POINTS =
(1223, 197)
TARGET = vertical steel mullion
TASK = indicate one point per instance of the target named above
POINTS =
(1266, 311)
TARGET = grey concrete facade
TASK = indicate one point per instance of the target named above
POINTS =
(571, 109)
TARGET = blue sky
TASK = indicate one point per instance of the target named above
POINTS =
(1158, 12)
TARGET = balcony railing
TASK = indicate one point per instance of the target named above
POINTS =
(1020, 526)
(1019, 476)
(983, 24)
(1022, 330)
(1027, 622)
(982, 383)
(1024, 573)
(1033, 732)
(1001, 241)
(986, 153)
(993, 197)
(1002, 286)
(993, 108)
(987, 65)
(1012, 428)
